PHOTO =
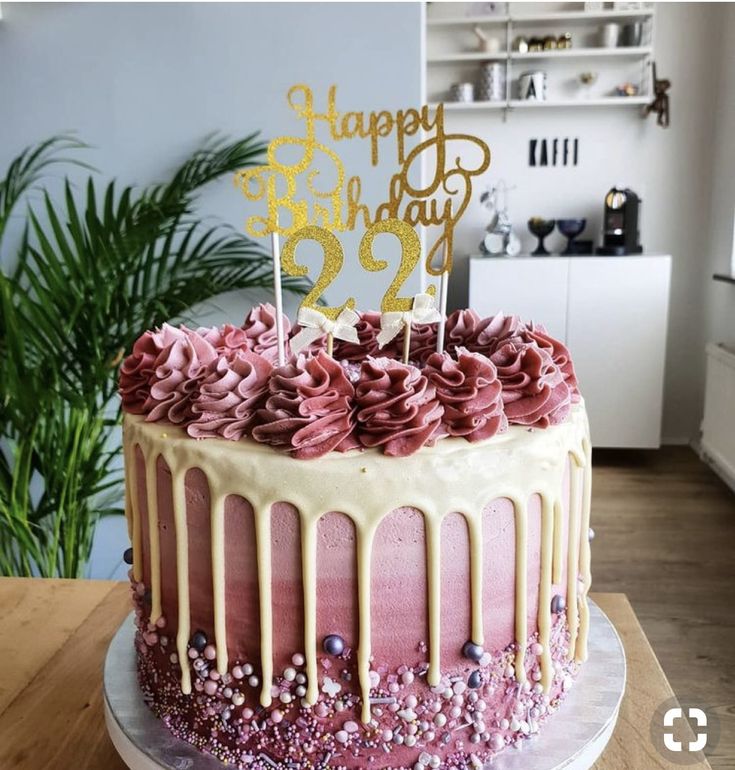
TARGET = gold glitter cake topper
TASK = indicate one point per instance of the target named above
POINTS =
(308, 197)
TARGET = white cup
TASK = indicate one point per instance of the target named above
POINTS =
(609, 35)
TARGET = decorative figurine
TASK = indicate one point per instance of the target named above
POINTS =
(660, 103)
(499, 240)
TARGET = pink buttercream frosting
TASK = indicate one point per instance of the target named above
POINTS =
(421, 345)
(461, 329)
(177, 372)
(469, 390)
(260, 330)
(492, 332)
(535, 392)
(310, 408)
(367, 328)
(397, 408)
(138, 368)
(228, 397)
(559, 353)
(219, 381)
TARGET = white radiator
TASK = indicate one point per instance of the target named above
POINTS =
(718, 425)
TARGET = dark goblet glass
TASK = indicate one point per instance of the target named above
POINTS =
(570, 228)
(540, 228)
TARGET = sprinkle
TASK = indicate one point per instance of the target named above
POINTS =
(267, 760)
(333, 644)
(330, 687)
(382, 701)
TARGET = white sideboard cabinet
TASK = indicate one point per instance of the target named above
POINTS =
(612, 313)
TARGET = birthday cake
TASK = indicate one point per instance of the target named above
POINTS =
(346, 560)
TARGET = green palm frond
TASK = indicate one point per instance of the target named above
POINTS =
(28, 167)
(97, 266)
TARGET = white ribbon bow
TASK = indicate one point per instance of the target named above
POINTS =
(315, 325)
(422, 312)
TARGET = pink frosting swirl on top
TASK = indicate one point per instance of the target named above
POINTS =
(367, 329)
(310, 408)
(397, 407)
(260, 330)
(492, 332)
(138, 368)
(460, 329)
(534, 390)
(177, 372)
(559, 353)
(229, 396)
(469, 390)
(421, 345)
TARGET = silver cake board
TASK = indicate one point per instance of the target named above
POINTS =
(571, 739)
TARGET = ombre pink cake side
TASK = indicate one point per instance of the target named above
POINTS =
(479, 707)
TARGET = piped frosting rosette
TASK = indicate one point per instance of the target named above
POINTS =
(224, 382)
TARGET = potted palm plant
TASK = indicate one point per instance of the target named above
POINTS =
(94, 267)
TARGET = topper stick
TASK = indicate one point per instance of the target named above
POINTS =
(330, 345)
(443, 291)
(280, 334)
(406, 341)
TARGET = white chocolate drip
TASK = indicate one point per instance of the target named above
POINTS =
(218, 582)
(453, 476)
(573, 558)
(544, 591)
(182, 578)
(585, 556)
(151, 460)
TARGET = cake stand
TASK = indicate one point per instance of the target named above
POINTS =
(571, 739)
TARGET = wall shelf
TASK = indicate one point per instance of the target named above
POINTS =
(471, 105)
(581, 53)
(603, 101)
(569, 53)
(449, 56)
(523, 18)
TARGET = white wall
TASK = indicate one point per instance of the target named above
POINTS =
(719, 298)
(145, 82)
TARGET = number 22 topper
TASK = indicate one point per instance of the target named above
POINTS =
(316, 320)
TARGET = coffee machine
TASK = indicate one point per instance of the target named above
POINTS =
(620, 223)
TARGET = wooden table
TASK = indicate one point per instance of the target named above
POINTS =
(53, 642)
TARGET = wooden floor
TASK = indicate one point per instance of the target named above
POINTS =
(665, 536)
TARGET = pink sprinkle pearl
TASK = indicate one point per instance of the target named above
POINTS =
(537, 648)
(321, 710)
(276, 717)
(210, 687)
(210, 652)
(238, 673)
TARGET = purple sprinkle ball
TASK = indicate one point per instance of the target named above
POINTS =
(198, 641)
(558, 604)
(472, 651)
(333, 644)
